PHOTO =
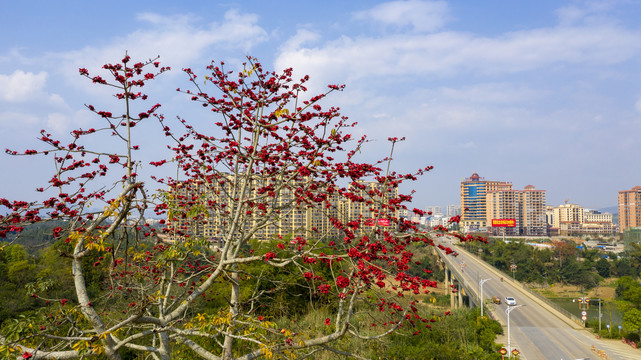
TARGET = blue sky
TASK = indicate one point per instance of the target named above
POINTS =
(546, 93)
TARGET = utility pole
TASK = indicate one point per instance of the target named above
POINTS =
(599, 314)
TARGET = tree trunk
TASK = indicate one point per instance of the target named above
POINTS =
(164, 350)
(233, 310)
(88, 311)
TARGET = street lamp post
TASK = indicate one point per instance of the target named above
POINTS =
(507, 311)
(481, 286)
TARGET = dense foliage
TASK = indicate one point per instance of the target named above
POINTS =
(460, 334)
(629, 297)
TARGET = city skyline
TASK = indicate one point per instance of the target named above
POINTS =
(545, 94)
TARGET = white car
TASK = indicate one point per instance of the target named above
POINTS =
(510, 300)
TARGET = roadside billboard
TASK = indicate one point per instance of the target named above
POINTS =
(503, 222)
(380, 222)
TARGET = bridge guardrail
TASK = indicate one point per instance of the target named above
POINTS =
(461, 279)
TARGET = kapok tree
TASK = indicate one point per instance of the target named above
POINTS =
(235, 243)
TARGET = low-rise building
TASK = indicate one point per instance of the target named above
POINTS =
(572, 219)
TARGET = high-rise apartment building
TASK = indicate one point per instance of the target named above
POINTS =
(292, 217)
(629, 204)
(504, 204)
(474, 203)
(526, 207)
(533, 205)
(434, 210)
(453, 210)
(369, 213)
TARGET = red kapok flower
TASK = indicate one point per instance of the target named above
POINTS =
(327, 321)
(26, 355)
(308, 275)
(342, 282)
(63, 301)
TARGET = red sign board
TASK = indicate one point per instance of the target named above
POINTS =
(515, 352)
(503, 351)
(380, 222)
(503, 222)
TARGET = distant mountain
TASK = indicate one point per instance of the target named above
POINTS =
(609, 209)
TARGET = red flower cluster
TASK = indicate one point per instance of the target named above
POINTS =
(342, 282)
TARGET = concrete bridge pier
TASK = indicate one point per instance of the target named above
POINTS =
(454, 289)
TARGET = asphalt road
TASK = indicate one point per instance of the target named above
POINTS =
(536, 330)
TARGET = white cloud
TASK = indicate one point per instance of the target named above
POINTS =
(21, 86)
(84, 118)
(570, 15)
(57, 100)
(588, 12)
(302, 37)
(178, 39)
(174, 21)
(58, 123)
(491, 93)
(418, 15)
(450, 53)
(14, 120)
(637, 105)
(468, 145)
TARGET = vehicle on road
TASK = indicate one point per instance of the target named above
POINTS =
(510, 300)
(496, 299)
